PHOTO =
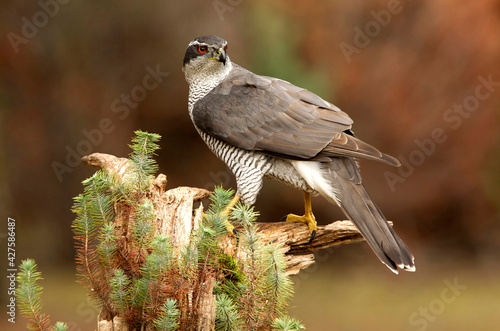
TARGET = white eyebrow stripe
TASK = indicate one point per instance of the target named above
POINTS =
(197, 43)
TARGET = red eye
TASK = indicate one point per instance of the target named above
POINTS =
(202, 49)
(225, 48)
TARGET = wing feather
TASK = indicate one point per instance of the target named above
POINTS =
(276, 117)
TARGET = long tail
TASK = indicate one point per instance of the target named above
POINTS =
(346, 190)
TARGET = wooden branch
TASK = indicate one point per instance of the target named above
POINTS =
(177, 218)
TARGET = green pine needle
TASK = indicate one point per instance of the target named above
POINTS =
(160, 260)
(29, 294)
(144, 146)
(143, 229)
(227, 316)
(168, 319)
(101, 203)
(107, 246)
(220, 199)
(277, 284)
(60, 326)
(287, 323)
(29, 298)
(139, 291)
(133, 276)
(120, 296)
(84, 224)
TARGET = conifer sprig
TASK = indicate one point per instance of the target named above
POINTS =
(227, 315)
(120, 295)
(29, 296)
(86, 229)
(287, 323)
(144, 146)
(168, 319)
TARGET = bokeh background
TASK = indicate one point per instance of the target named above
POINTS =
(407, 72)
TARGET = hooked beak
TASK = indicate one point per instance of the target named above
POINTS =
(221, 57)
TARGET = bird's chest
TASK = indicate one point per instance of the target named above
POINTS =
(234, 157)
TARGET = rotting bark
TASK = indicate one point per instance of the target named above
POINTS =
(177, 218)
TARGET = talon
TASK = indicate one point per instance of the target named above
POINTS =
(308, 217)
(237, 236)
(313, 234)
(283, 219)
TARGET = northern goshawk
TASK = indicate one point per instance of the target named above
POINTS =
(266, 127)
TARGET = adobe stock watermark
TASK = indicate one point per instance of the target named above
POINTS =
(364, 36)
(425, 315)
(304, 274)
(221, 178)
(453, 119)
(121, 106)
(222, 6)
(30, 27)
(89, 311)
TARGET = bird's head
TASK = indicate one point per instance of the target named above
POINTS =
(206, 56)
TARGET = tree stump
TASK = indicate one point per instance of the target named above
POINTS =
(178, 217)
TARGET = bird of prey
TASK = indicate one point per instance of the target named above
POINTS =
(266, 127)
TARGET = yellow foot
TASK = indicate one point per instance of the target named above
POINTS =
(230, 228)
(308, 219)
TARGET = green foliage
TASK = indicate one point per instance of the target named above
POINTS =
(276, 283)
(133, 272)
(212, 228)
(117, 271)
(160, 260)
(168, 319)
(227, 316)
(143, 230)
(59, 326)
(287, 323)
(144, 146)
(120, 296)
(255, 289)
(29, 297)
(107, 249)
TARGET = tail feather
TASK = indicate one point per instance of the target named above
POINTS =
(339, 182)
(362, 211)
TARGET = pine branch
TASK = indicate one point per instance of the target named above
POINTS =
(120, 296)
(143, 228)
(227, 315)
(143, 146)
(287, 323)
(29, 296)
(278, 285)
(85, 227)
(101, 204)
(168, 319)
(107, 247)
(252, 300)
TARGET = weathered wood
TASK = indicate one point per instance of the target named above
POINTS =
(177, 218)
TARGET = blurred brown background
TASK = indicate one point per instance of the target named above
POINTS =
(413, 75)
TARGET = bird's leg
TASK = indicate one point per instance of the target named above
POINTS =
(307, 218)
(230, 228)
